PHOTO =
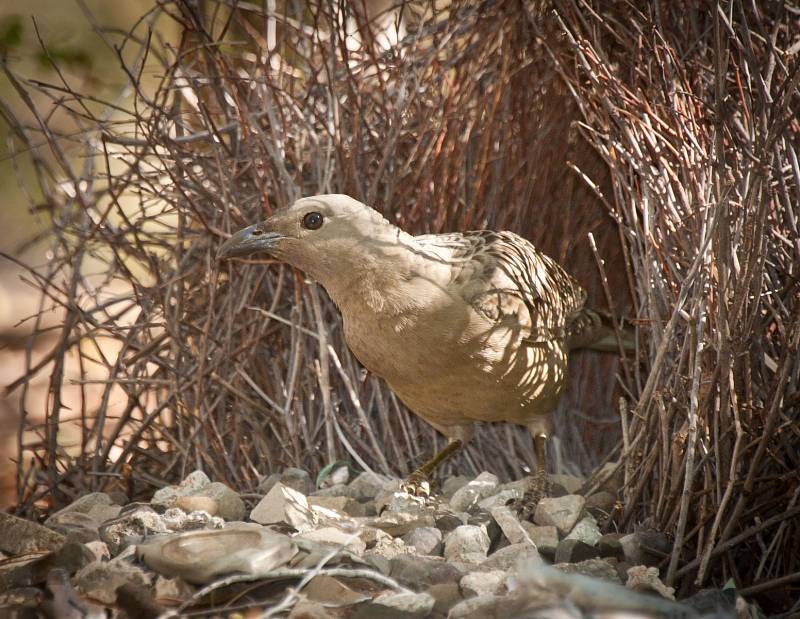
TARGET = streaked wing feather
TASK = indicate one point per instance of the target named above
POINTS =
(520, 274)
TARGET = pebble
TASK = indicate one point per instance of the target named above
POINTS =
(586, 530)
(562, 512)
(426, 540)
(483, 583)
(284, 505)
(465, 542)
(463, 553)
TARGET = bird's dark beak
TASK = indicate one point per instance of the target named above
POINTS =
(248, 241)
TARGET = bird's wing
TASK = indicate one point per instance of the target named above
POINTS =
(505, 278)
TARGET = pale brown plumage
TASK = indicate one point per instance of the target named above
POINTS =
(464, 327)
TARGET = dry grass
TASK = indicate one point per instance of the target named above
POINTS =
(685, 140)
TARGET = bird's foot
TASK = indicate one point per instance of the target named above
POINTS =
(537, 490)
(417, 484)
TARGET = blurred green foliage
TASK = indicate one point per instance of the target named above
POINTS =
(11, 29)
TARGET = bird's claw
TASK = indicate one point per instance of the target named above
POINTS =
(526, 505)
(417, 484)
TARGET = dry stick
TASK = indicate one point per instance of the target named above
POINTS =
(790, 355)
(626, 450)
(609, 299)
(777, 537)
(723, 547)
(688, 480)
(322, 367)
(360, 412)
(720, 509)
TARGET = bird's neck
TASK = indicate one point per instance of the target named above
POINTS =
(378, 280)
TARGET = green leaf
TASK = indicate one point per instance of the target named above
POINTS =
(328, 469)
(11, 31)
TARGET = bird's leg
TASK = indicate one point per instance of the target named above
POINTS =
(538, 483)
(418, 483)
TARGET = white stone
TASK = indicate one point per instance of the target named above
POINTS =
(562, 512)
(643, 578)
(335, 536)
(465, 542)
(479, 488)
(426, 540)
(510, 525)
(286, 505)
(416, 604)
(483, 583)
(586, 531)
(544, 537)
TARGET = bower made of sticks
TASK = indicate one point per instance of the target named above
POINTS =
(651, 151)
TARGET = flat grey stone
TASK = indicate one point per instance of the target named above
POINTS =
(229, 504)
(501, 498)
(265, 483)
(332, 592)
(99, 580)
(419, 571)
(446, 595)
(398, 524)
(336, 537)
(544, 537)
(586, 530)
(512, 557)
(405, 503)
(284, 505)
(451, 484)
(446, 521)
(192, 484)
(574, 550)
(367, 486)
(479, 488)
(344, 505)
(562, 512)
(483, 583)
(464, 541)
(494, 607)
(426, 540)
(32, 569)
(83, 504)
(75, 526)
(595, 568)
(298, 479)
(645, 547)
(510, 525)
(609, 545)
(19, 536)
(565, 484)
(410, 604)
(199, 557)
(601, 501)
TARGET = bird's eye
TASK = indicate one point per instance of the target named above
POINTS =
(312, 221)
(257, 231)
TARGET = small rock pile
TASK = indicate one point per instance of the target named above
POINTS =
(359, 549)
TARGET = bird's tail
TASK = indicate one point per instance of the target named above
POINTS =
(595, 330)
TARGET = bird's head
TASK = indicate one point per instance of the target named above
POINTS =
(325, 236)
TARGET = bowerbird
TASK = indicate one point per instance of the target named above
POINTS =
(464, 327)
